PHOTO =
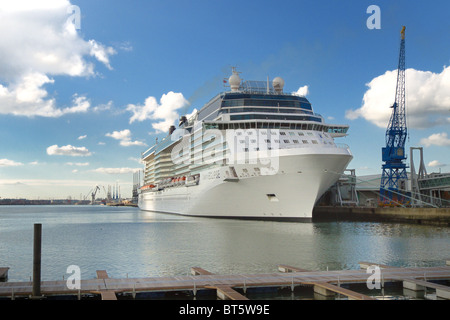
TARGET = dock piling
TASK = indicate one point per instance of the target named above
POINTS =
(4, 274)
(37, 246)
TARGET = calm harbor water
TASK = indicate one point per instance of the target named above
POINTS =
(128, 242)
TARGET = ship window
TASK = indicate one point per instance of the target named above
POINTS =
(295, 141)
(309, 133)
(301, 134)
(314, 141)
(245, 149)
(305, 141)
(283, 133)
(286, 141)
(267, 140)
(292, 133)
(272, 197)
(277, 140)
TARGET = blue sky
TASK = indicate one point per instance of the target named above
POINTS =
(68, 93)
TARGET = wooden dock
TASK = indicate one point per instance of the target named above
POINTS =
(223, 292)
(420, 285)
(105, 294)
(326, 289)
(228, 285)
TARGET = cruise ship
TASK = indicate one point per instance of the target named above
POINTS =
(251, 152)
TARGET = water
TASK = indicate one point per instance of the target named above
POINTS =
(128, 242)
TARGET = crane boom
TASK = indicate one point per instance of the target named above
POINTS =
(394, 175)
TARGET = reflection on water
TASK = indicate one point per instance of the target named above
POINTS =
(129, 242)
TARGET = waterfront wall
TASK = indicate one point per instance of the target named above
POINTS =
(430, 216)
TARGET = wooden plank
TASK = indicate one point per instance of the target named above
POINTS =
(442, 291)
(108, 295)
(346, 292)
(102, 274)
(365, 265)
(225, 292)
(199, 271)
(429, 284)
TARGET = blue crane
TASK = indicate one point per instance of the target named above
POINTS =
(394, 177)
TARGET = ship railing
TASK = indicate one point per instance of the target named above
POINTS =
(342, 146)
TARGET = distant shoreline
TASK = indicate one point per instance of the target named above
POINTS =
(25, 202)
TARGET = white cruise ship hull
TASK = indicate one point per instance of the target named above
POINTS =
(303, 176)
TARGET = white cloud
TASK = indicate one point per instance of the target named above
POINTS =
(427, 99)
(124, 137)
(139, 160)
(436, 163)
(120, 135)
(117, 170)
(103, 107)
(68, 151)
(128, 143)
(438, 139)
(79, 164)
(165, 111)
(302, 91)
(125, 46)
(80, 104)
(101, 53)
(38, 41)
(9, 163)
(82, 137)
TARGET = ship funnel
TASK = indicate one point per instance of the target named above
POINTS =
(171, 130)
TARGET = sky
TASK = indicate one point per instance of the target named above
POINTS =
(87, 86)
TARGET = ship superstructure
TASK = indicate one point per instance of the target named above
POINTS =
(251, 152)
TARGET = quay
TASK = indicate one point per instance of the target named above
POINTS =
(425, 216)
(234, 286)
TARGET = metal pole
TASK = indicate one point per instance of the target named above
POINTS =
(37, 260)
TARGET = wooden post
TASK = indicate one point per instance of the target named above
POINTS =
(37, 260)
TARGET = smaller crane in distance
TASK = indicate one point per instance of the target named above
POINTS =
(93, 194)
